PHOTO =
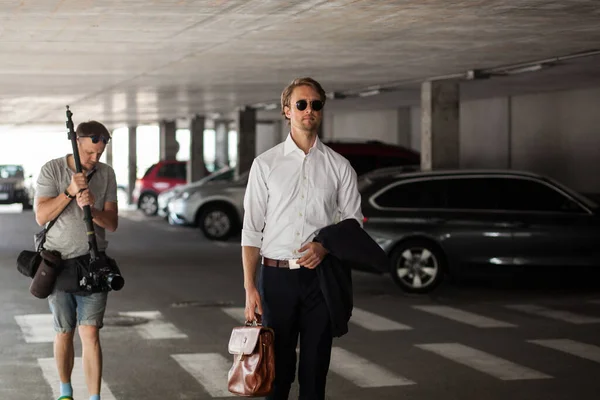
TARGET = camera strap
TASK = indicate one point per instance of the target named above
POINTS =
(89, 178)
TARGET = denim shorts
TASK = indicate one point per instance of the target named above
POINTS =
(70, 310)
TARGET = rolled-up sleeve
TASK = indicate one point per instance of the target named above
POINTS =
(47, 182)
(348, 195)
(255, 207)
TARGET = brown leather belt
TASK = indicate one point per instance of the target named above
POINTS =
(269, 262)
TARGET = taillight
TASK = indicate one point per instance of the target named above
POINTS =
(365, 219)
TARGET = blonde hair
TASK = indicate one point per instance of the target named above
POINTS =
(287, 92)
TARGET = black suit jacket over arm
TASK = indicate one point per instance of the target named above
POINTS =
(347, 244)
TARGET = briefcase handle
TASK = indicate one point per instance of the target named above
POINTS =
(257, 320)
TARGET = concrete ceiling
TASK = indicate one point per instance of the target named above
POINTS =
(136, 61)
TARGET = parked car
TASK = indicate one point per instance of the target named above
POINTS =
(369, 155)
(454, 222)
(12, 186)
(159, 177)
(224, 174)
(216, 208)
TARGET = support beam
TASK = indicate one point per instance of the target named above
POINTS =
(168, 142)
(221, 143)
(440, 105)
(196, 169)
(109, 150)
(132, 164)
(246, 139)
(404, 127)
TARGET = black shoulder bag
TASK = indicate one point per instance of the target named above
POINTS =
(29, 261)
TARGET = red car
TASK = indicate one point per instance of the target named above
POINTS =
(159, 177)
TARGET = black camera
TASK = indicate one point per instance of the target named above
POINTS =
(102, 278)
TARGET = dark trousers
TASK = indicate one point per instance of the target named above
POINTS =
(293, 305)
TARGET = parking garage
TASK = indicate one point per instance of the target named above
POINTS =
(466, 85)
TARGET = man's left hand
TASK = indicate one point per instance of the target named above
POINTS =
(85, 198)
(314, 253)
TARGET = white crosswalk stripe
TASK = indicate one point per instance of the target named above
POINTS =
(362, 372)
(48, 366)
(209, 369)
(583, 350)
(483, 362)
(156, 327)
(37, 328)
(365, 319)
(374, 322)
(236, 313)
(464, 317)
(561, 315)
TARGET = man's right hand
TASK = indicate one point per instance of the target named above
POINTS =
(252, 303)
(78, 183)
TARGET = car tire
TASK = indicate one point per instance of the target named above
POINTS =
(27, 205)
(148, 204)
(217, 222)
(418, 266)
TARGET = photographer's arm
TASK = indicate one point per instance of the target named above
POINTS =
(48, 208)
(107, 218)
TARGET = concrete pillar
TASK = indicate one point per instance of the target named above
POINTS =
(221, 143)
(168, 142)
(132, 165)
(440, 105)
(109, 150)
(246, 139)
(280, 130)
(196, 166)
(404, 127)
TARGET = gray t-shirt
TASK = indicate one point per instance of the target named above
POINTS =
(68, 235)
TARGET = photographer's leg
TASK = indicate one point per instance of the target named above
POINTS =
(92, 357)
(90, 310)
(63, 307)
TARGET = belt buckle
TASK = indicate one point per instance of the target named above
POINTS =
(293, 264)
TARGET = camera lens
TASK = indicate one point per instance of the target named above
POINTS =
(116, 282)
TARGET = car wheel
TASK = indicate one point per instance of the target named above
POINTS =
(216, 222)
(27, 205)
(418, 266)
(148, 204)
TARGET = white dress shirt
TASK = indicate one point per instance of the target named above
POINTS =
(291, 196)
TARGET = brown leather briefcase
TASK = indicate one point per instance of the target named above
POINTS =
(253, 369)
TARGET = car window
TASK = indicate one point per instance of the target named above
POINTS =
(529, 195)
(11, 171)
(181, 171)
(473, 193)
(172, 171)
(420, 194)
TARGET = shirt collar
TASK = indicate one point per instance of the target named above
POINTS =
(66, 165)
(290, 145)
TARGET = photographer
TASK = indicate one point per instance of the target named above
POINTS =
(60, 188)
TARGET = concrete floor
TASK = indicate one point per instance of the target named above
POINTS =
(166, 332)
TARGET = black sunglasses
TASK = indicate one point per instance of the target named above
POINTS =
(97, 138)
(315, 105)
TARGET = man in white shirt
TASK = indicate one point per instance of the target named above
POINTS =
(295, 189)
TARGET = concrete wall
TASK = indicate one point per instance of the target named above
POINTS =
(558, 134)
(485, 133)
(554, 133)
(375, 125)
